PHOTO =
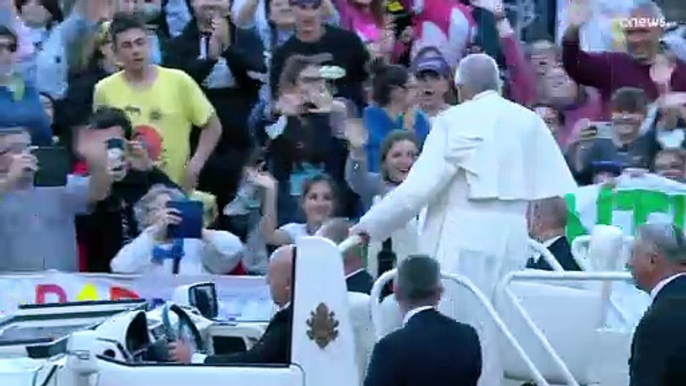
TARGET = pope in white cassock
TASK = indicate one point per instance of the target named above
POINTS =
(481, 164)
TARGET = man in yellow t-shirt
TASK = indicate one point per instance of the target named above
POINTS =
(163, 104)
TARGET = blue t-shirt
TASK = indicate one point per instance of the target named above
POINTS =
(379, 124)
(23, 108)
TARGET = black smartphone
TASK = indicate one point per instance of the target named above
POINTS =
(191, 213)
(54, 165)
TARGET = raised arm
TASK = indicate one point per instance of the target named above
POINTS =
(430, 174)
(522, 74)
(584, 68)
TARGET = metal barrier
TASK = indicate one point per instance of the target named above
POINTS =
(467, 284)
(555, 276)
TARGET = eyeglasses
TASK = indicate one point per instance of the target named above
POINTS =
(9, 47)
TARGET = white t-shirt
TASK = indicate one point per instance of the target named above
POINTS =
(295, 230)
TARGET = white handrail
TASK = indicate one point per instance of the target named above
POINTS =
(350, 242)
(465, 283)
(553, 276)
(545, 254)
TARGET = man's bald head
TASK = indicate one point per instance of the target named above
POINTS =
(477, 73)
(280, 274)
(338, 230)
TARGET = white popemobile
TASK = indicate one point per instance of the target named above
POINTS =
(553, 333)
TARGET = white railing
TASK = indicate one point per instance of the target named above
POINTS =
(556, 276)
(545, 254)
(467, 284)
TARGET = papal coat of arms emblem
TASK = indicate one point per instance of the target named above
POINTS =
(323, 326)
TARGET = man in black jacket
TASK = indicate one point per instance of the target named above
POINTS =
(275, 345)
(547, 222)
(224, 61)
(431, 349)
(111, 224)
(658, 265)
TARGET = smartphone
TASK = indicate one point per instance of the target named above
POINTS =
(54, 165)
(191, 213)
(603, 129)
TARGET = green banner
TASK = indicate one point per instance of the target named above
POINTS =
(640, 202)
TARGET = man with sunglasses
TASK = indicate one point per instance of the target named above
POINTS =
(312, 37)
(39, 201)
(658, 265)
(20, 103)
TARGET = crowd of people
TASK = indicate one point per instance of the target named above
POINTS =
(280, 115)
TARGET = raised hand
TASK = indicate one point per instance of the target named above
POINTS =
(356, 134)
(21, 165)
(162, 219)
(661, 72)
(578, 12)
(139, 158)
(493, 6)
(262, 179)
(289, 104)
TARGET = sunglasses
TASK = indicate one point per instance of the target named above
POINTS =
(306, 3)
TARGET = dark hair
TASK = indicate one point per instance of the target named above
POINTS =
(419, 279)
(106, 117)
(560, 113)
(629, 99)
(309, 183)
(52, 6)
(122, 22)
(385, 78)
(295, 64)
(8, 32)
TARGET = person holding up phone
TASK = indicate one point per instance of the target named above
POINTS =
(174, 240)
(39, 199)
(619, 141)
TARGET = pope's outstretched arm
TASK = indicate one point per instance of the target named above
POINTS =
(429, 175)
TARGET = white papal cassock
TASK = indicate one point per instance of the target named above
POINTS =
(481, 164)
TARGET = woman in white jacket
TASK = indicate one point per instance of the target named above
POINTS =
(217, 252)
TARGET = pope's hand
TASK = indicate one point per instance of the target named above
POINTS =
(180, 352)
(357, 231)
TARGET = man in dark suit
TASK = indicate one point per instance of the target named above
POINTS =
(547, 222)
(658, 265)
(275, 345)
(430, 348)
(356, 277)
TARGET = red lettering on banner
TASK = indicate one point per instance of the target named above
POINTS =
(119, 293)
(50, 289)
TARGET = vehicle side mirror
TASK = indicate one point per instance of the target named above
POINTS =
(203, 296)
(80, 356)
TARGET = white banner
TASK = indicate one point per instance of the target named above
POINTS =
(240, 297)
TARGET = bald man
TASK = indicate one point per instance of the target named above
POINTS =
(547, 222)
(273, 347)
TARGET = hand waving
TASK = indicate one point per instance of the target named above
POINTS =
(579, 12)
(661, 72)
(356, 134)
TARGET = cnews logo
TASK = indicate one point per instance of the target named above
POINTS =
(644, 22)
